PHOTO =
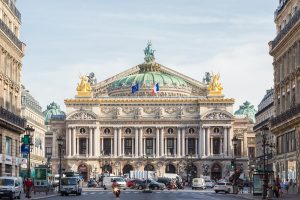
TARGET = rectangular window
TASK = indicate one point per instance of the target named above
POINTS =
(216, 146)
(251, 151)
(191, 146)
(8, 146)
(0, 145)
(82, 146)
(128, 146)
(48, 150)
(107, 146)
(170, 146)
(149, 146)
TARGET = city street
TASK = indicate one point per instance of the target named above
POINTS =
(96, 193)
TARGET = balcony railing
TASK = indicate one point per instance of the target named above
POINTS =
(286, 115)
(11, 35)
(13, 119)
(13, 8)
(286, 29)
(259, 125)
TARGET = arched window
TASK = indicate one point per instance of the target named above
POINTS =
(82, 130)
(170, 130)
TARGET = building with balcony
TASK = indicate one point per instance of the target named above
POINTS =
(285, 49)
(148, 117)
(262, 127)
(11, 123)
(32, 112)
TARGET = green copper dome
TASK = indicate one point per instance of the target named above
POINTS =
(53, 110)
(246, 111)
(149, 78)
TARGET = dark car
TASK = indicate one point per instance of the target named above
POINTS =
(163, 180)
(152, 185)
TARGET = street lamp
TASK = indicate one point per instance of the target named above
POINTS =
(147, 189)
(28, 131)
(264, 144)
(233, 162)
(60, 144)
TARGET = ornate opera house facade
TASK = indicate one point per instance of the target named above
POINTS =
(186, 127)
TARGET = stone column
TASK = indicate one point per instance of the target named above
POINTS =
(166, 145)
(157, 142)
(91, 142)
(211, 146)
(175, 147)
(69, 144)
(144, 146)
(87, 147)
(97, 142)
(77, 146)
(74, 142)
(225, 141)
(230, 149)
(208, 142)
(112, 147)
(204, 138)
(119, 141)
(102, 148)
(132, 148)
(162, 153)
(136, 142)
(123, 147)
(178, 142)
(196, 147)
(183, 142)
(200, 141)
(141, 142)
(115, 153)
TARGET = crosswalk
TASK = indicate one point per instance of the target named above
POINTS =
(154, 192)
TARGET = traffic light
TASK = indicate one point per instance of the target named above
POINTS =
(26, 139)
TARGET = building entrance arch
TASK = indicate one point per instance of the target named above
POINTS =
(216, 171)
(149, 167)
(83, 171)
(127, 168)
(170, 169)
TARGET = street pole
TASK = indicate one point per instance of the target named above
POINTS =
(28, 131)
(147, 189)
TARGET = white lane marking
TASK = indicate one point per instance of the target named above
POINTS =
(92, 193)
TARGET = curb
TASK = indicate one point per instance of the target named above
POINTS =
(242, 197)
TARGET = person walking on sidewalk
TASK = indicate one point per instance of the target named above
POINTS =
(29, 186)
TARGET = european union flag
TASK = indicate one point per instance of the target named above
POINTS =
(135, 88)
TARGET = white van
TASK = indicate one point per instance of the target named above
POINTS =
(71, 185)
(108, 180)
(198, 183)
(10, 187)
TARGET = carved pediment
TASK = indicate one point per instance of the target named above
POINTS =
(82, 116)
(217, 115)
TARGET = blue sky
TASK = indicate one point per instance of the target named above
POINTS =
(66, 38)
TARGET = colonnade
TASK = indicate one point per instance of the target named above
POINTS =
(177, 144)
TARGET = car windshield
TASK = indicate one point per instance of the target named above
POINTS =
(208, 181)
(6, 182)
(69, 181)
(119, 179)
(221, 184)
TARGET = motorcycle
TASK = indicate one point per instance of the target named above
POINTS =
(172, 186)
(117, 191)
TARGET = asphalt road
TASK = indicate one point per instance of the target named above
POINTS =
(96, 194)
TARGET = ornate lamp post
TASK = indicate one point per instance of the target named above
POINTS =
(147, 189)
(60, 144)
(233, 162)
(264, 144)
(28, 131)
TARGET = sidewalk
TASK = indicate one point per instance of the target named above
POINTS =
(41, 195)
(251, 197)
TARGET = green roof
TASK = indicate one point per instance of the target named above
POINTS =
(149, 78)
(246, 111)
(52, 110)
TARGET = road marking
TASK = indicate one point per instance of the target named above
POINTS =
(93, 193)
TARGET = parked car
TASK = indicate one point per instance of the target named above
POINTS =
(208, 184)
(198, 183)
(163, 180)
(224, 187)
(154, 185)
(131, 183)
(92, 183)
(107, 182)
(10, 187)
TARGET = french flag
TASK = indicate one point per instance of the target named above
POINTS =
(155, 89)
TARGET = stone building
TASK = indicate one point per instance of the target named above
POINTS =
(124, 123)
(285, 49)
(262, 127)
(243, 131)
(32, 112)
(11, 54)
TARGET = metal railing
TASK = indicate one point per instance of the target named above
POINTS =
(11, 35)
(12, 118)
(13, 8)
(286, 115)
(287, 28)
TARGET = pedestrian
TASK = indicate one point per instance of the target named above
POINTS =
(274, 188)
(29, 186)
(281, 189)
(286, 186)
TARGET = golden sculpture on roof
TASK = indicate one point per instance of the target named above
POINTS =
(84, 88)
(215, 88)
